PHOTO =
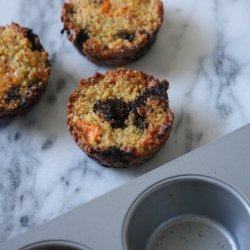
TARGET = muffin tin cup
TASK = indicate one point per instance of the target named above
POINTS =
(55, 245)
(188, 212)
(199, 201)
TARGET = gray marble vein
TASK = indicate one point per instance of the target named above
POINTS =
(202, 49)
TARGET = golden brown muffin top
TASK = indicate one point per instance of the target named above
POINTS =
(23, 63)
(115, 24)
(124, 108)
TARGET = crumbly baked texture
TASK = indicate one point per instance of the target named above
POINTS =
(112, 32)
(120, 118)
(24, 69)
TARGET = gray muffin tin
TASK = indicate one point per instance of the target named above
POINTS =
(199, 201)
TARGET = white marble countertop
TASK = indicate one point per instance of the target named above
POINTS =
(203, 49)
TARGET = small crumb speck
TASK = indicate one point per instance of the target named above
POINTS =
(24, 220)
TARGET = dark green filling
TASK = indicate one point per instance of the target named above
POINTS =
(13, 94)
(126, 35)
(116, 111)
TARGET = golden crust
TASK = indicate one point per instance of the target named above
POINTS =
(107, 51)
(127, 143)
(24, 69)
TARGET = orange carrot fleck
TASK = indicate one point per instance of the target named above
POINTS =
(119, 12)
(106, 5)
(147, 141)
(90, 132)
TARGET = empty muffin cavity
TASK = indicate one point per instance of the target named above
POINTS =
(188, 212)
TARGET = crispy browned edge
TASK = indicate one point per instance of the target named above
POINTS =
(114, 58)
(37, 91)
(102, 157)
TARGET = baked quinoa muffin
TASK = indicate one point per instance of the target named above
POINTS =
(112, 32)
(24, 69)
(120, 118)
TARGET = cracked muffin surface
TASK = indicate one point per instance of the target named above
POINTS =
(24, 69)
(120, 118)
(112, 32)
